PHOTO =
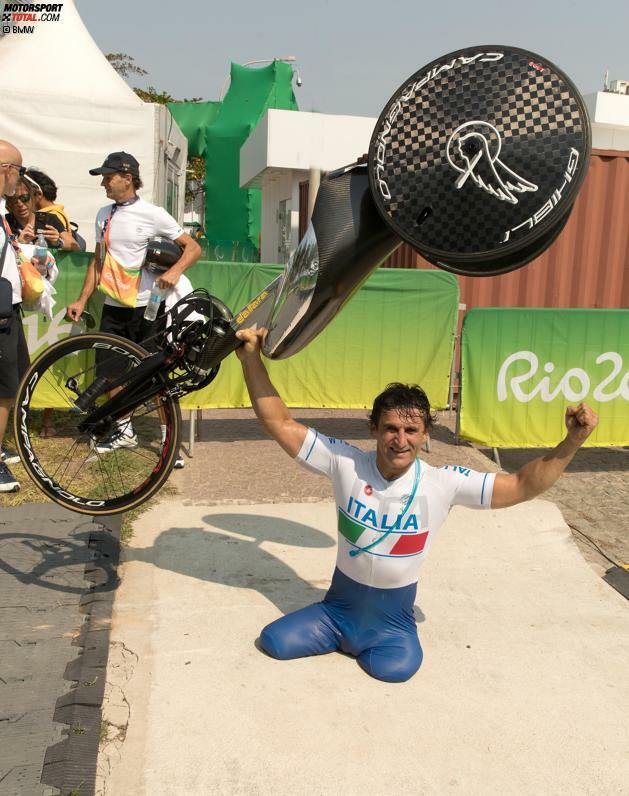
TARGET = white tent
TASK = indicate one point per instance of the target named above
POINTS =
(66, 116)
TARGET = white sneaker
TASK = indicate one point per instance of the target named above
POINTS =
(120, 439)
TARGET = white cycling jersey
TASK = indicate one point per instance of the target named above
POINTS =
(131, 228)
(386, 527)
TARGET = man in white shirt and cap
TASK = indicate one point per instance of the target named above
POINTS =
(123, 231)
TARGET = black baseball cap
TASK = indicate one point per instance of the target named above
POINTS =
(118, 162)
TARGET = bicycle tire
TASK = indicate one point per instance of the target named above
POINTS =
(100, 479)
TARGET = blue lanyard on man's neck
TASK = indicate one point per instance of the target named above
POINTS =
(398, 521)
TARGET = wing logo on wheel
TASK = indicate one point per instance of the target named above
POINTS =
(473, 150)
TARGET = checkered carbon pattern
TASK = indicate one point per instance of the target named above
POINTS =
(539, 116)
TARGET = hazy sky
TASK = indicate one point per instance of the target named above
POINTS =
(352, 55)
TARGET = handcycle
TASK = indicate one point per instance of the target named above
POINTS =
(475, 161)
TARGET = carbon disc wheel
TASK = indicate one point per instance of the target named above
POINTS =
(107, 472)
(509, 262)
(478, 156)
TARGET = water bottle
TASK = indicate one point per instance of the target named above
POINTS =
(41, 252)
(157, 293)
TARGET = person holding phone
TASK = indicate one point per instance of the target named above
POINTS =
(49, 214)
(27, 222)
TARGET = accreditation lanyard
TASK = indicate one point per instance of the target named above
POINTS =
(398, 521)
(107, 224)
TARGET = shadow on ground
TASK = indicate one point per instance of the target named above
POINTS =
(237, 558)
(48, 562)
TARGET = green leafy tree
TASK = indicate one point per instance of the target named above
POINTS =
(195, 173)
(151, 94)
(125, 65)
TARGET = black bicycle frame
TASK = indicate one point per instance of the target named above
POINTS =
(135, 392)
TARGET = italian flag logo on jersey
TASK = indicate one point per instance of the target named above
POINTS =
(401, 538)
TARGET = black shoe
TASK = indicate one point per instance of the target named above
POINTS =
(7, 479)
(9, 456)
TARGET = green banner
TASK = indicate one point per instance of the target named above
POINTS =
(520, 368)
(398, 327)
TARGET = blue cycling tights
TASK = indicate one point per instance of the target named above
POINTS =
(377, 626)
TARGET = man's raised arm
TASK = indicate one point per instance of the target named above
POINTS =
(540, 474)
(270, 409)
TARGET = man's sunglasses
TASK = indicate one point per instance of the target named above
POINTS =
(21, 169)
(25, 198)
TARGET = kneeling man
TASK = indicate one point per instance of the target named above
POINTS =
(389, 506)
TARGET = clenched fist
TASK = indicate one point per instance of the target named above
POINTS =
(581, 421)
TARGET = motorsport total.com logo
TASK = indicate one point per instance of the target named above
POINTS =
(24, 17)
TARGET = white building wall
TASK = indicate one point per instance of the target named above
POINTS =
(268, 222)
(297, 177)
(278, 188)
(609, 114)
(301, 141)
(279, 154)
(171, 158)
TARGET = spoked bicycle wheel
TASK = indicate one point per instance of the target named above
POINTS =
(107, 472)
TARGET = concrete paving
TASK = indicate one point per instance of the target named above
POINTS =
(523, 689)
(51, 663)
